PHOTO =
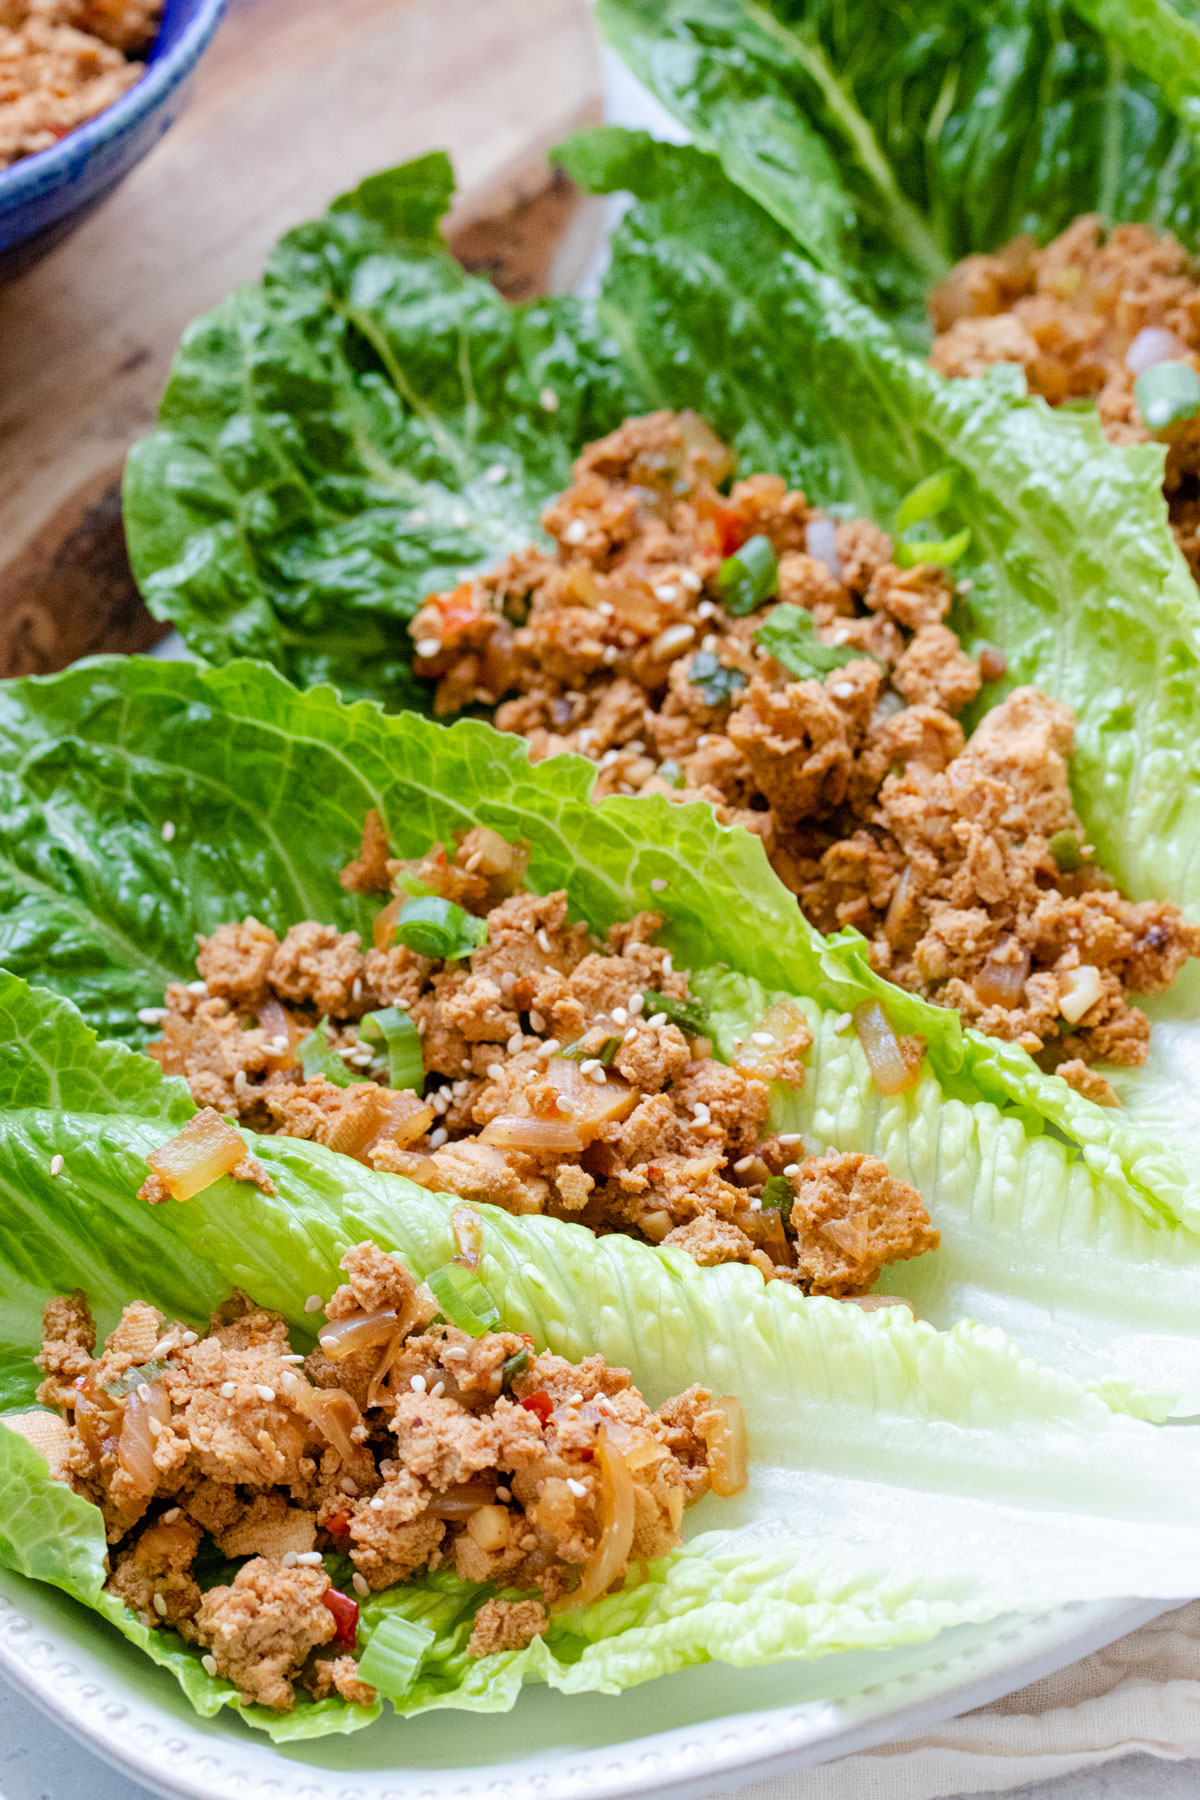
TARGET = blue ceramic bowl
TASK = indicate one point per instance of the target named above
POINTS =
(45, 196)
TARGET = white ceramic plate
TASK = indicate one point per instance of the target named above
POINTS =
(708, 1730)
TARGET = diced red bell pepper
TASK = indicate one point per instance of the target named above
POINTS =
(732, 530)
(339, 1525)
(539, 1403)
(345, 1616)
(458, 609)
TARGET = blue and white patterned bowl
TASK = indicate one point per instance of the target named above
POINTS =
(45, 196)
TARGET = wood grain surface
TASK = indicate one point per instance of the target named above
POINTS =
(297, 100)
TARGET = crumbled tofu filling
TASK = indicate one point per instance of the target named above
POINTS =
(960, 859)
(405, 1444)
(64, 61)
(561, 1075)
(1083, 317)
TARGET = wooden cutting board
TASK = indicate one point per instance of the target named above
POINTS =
(297, 101)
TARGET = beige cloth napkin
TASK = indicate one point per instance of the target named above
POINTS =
(1141, 1693)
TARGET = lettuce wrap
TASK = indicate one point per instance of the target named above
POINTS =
(1075, 1234)
(902, 1480)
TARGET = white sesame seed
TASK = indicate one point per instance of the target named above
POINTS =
(635, 1003)
(155, 1427)
(965, 586)
(199, 988)
(459, 1088)
(701, 1113)
(417, 1383)
(573, 1400)
(240, 1084)
(209, 1664)
(842, 1021)
(356, 988)
(420, 1023)
(762, 1037)
(549, 1047)
(710, 642)
(228, 1390)
(842, 690)
(495, 1071)
(437, 1138)
(314, 1303)
(658, 884)
(689, 579)
(598, 1075)
(657, 1019)
(548, 400)
(516, 1043)
(437, 1390)
(170, 1516)
(263, 1391)
(792, 1169)
(386, 1466)
(465, 1066)
(403, 1005)
(279, 1044)
(791, 1137)
(619, 1016)
(293, 1356)
(151, 1015)
(576, 1487)
(454, 1353)
(666, 591)
(288, 1559)
(359, 1583)
(143, 1391)
(668, 964)
(536, 1022)
(56, 1164)
(744, 1163)
(608, 759)
(168, 830)
(606, 609)
(429, 647)
(575, 532)
(706, 609)
(439, 1104)
(308, 1559)
(503, 1493)
(566, 1107)
(630, 1034)
(495, 475)
(160, 1606)
(756, 1204)
(376, 1505)
(588, 1064)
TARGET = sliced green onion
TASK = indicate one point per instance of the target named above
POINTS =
(779, 1196)
(464, 1299)
(318, 1059)
(748, 577)
(689, 1015)
(943, 551)
(148, 1372)
(716, 682)
(513, 1366)
(1064, 847)
(392, 1659)
(1167, 392)
(392, 1032)
(604, 1055)
(790, 636)
(923, 501)
(438, 928)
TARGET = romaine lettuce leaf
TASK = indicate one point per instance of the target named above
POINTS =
(902, 1480)
(353, 433)
(889, 142)
(266, 790)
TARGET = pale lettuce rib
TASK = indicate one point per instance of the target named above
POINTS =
(1033, 1240)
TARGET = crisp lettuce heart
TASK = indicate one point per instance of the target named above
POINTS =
(266, 790)
(902, 1479)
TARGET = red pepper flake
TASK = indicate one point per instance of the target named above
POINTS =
(339, 1525)
(539, 1403)
(732, 530)
(345, 1615)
